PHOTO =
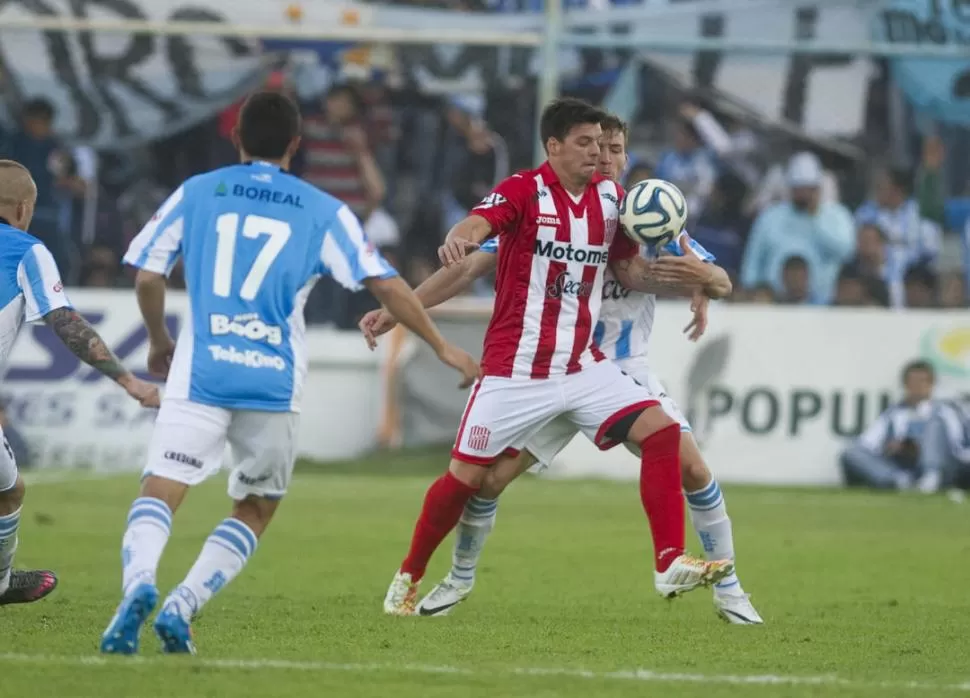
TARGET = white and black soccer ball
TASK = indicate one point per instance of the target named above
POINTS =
(653, 212)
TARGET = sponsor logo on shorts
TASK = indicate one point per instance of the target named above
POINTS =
(246, 480)
(249, 359)
(478, 437)
(183, 459)
(564, 285)
(248, 326)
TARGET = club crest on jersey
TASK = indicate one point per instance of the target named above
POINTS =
(564, 285)
(548, 220)
(610, 230)
(492, 200)
(478, 437)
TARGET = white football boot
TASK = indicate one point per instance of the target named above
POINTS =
(687, 573)
(736, 609)
(445, 596)
(402, 596)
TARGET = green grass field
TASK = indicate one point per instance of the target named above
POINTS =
(863, 595)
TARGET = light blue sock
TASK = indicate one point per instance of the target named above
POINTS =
(476, 523)
(709, 516)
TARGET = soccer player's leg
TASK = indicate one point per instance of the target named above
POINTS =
(186, 448)
(705, 504)
(610, 407)
(263, 446)
(478, 518)
(500, 416)
(16, 586)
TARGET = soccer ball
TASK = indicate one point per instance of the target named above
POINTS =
(653, 212)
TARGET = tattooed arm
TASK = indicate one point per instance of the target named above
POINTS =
(78, 336)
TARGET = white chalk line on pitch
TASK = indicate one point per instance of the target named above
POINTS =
(633, 675)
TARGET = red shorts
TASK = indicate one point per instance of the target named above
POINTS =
(503, 414)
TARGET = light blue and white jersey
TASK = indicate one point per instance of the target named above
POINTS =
(626, 317)
(30, 285)
(254, 240)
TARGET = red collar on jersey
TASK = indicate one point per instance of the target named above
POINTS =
(550, 177)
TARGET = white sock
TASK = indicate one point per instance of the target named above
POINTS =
(8, 546)
(709, 516)
(149, 526)
(223, 556)
(476, 523)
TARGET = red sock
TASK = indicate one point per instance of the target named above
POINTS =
(443, 505)
(660, 492)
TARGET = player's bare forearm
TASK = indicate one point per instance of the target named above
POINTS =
(150, 291)
(472, 229)
(634, 273)
(402, 302)
(78, 336)
(448, 282)
(720, 285)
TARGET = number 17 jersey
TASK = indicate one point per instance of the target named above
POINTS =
(254, 240)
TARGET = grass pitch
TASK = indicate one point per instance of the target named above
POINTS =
(863, 594)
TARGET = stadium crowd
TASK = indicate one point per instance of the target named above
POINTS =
(410, 166)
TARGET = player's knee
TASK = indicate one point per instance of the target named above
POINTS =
(169, 491)
(648, 423)
(494, 484)
(255, 512)
(468, 473)
(12, 498)
(695, 473)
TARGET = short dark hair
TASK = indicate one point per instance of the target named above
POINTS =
(920, 365)
(614, 124)
(795, 262)
(268, 123)
(903, 178)
(38, 108)
(561, 115)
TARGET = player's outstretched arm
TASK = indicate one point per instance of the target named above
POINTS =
(443, 285)
(465, 237)
(401, 301)
(679, 276)
(78, 336)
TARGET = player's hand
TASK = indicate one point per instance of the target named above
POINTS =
(160, 353)
(144, 392)
(374, 324)
(688, 270)
(455, 249)
(698, 325)
(462, 361)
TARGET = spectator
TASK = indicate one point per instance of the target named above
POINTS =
(820, 232)
(689, 166)
(734, 144)
(51, 165)
(871, 262)
(722, 228)
(920, 285)
(919, 442)
(911, 237)
(855, 290)
(774, 188)
(953, 292)
(795, 282)
(638, 172)
(763, 295)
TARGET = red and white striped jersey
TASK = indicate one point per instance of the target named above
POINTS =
(549, 283)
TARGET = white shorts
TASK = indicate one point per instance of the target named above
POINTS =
(504, 414)
(8, 465)
(553, 438)
(190, 440)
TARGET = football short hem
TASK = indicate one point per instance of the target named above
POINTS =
(604, 444)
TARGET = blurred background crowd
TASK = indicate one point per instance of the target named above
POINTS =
(794, 220)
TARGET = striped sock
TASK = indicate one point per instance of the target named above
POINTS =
(476, 523)
(223, 556)
(149, 526)
(8, 546)
(709, 516)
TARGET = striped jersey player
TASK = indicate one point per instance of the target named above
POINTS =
(622, 333)
(557, 227)
(254, 240)
(31, 291)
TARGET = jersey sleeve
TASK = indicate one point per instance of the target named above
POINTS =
(697, 248)
(623, 247)
(157, 247)
(348, 256)
(505, 206)
(40, 282)
(490, 246)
